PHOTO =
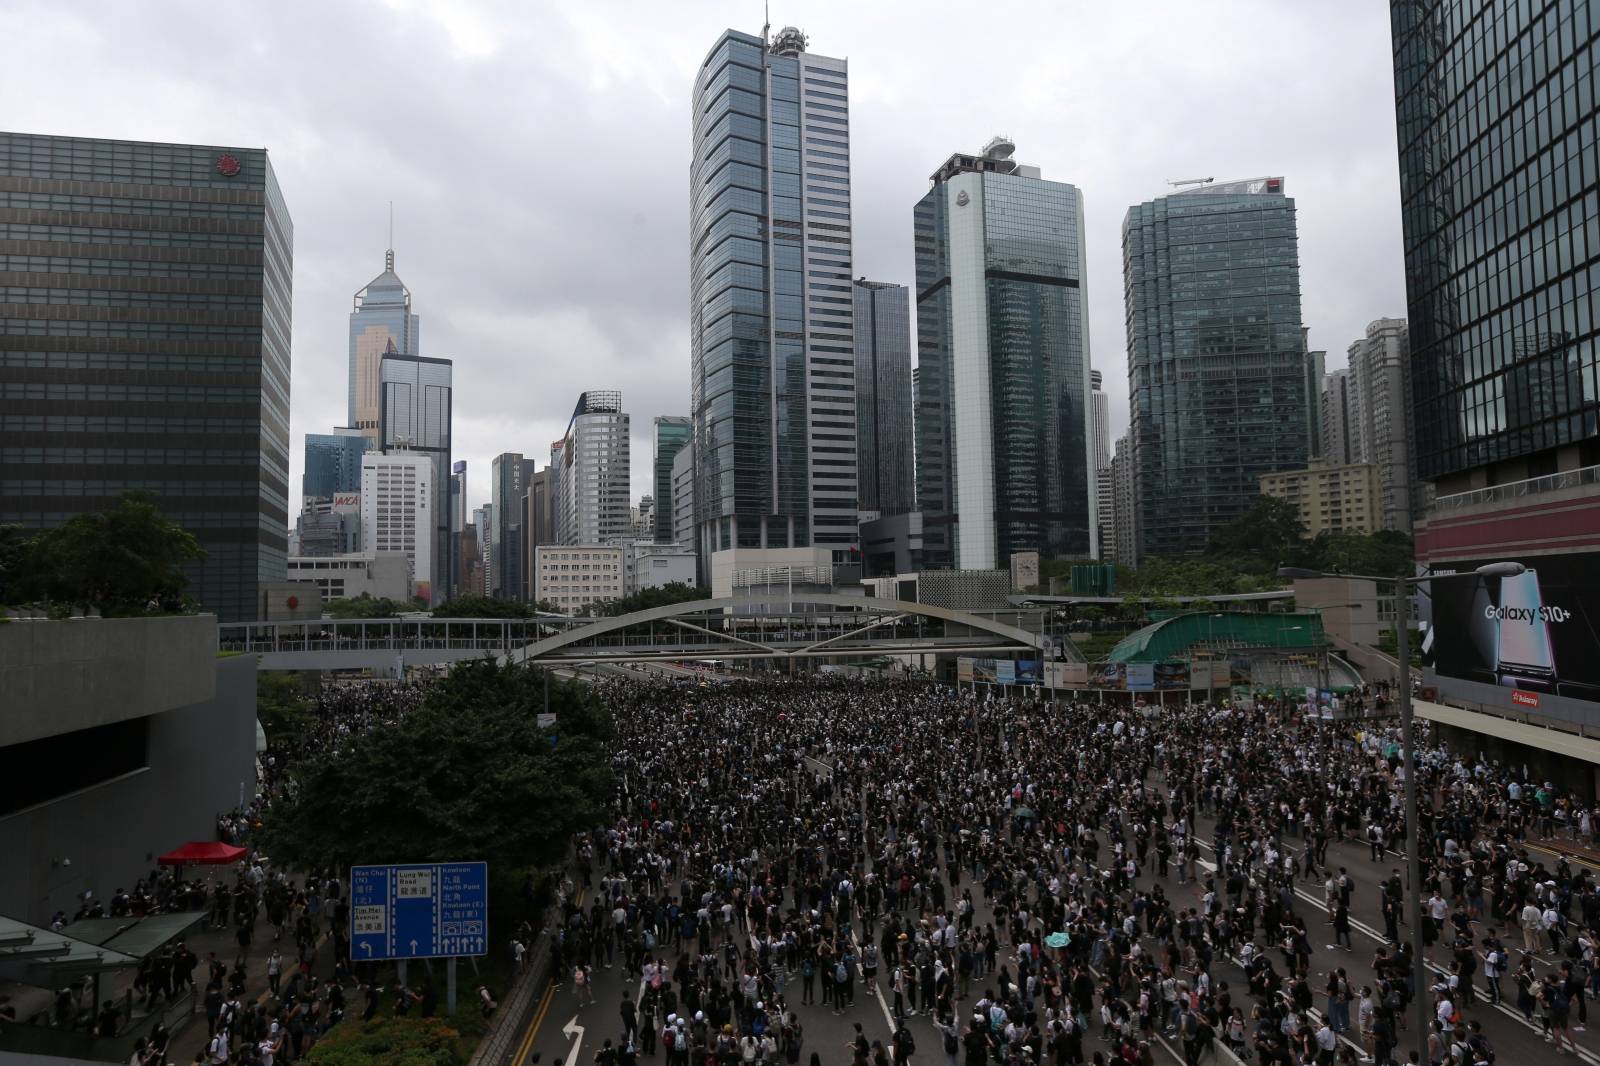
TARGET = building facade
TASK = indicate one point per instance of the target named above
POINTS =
(333, 462)
(1332, 498)
(1217, 359)
(572, 577)
(1100, 457)
(381, 321)
(1003, 439)
(414, 417)
(594, 504)
(672, 434)
(771, 326)
(397, 501)
(509, 474)
(683, 504)
(1378, 364)
(651, 566)
(1124, 513)
(885, 444)
(380, 575)
(1341, 418)
(483, 523)
(144, 345)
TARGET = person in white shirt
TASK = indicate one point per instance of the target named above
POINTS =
(1532, 926)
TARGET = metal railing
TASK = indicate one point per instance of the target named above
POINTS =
(1514, 490)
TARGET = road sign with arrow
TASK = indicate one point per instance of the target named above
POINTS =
(419, 911)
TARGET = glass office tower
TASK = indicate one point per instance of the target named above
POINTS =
(1500, 201)
(1003, 364)
(414, 416)
(145, 296)
(1216, 357)
(672, 434)
(883, 396)
(333, 462)
(771, 333)
(381, 322)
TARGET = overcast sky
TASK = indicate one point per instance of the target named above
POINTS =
(537, 155)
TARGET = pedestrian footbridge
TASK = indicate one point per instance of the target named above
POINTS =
(774, 626)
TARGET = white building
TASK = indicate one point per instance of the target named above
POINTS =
(381, 575)
(397, 510)
(1380, 365)
(651, 565)
(1100, 454)
(594, 504)
(682, 504)
(574, 576)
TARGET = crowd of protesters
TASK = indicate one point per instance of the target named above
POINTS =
(1008, 868)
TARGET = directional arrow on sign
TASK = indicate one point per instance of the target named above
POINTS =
(574, 1032)
(413, 946)
(368, 945)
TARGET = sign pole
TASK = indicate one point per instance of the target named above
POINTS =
(450, 984)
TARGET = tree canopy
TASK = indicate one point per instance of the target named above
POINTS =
(468, 775)
(367, 606)
(125, 561)
(483, 607)
(661, 596)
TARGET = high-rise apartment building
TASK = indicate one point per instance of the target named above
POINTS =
(414, 417)
(538, 521)
(333, 462)
(380, 322)
(1341, 418)
(458, 496)
(144, 344)
(1003, 441)
(683, 503)
(1378, 367)
(593, 506)
(483, 522)
(397, 500)
(509, 474)
(673, 433)
(884, 440)
(1124, 515)
(1331, 498)
(1100, 457)
(1217, 360)
(771, 327)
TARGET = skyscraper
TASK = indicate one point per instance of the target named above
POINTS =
(1341, 418)
(672, 434)
(333, 462)
(594, 502)
(1100, 457)
(381, 321)
(1003, 444)
(1124, 513)
(414, 416)
(1217, 359)
(884, 447)
(397, 499)
(771, 332)
(144, 344)
(508, 480)
(1383, 410)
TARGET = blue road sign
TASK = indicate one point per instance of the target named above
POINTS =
(419, 911)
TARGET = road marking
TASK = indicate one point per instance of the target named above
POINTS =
(1515, 1015)
(533, 1026)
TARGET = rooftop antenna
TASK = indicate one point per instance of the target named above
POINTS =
(766, 22)
(388, 256)
(1190, 181)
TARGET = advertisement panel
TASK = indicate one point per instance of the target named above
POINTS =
(1076, 675)
(1221, 675)
(1172, 677)
(983, 670)
(1141, 677)
(1029, 671)
(1538, 632)
(964, 669)
(1005, 671)
(1110, 675)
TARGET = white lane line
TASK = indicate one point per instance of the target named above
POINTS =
(1584, 1053)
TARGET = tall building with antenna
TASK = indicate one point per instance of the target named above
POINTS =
(772, 351)
(380, 320)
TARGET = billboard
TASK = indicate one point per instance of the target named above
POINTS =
(347, 502)
(1067, 675)
(984, 670)
(1029, 671)
(1110, 675)
(1172, 676)
(1141, 677)
(964, 668)
(1005, 671)
(1538, 632)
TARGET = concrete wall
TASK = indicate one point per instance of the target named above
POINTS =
(199, 756)
(58, 677)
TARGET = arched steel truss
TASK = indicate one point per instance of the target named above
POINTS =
(780, 625)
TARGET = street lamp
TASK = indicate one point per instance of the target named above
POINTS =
(1403, 583)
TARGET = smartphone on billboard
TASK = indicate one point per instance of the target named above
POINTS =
(1524, 656)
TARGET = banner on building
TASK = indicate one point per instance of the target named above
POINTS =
(1172, 677)
(1140, 677)
(964, 669)
(1005, 671)
(1029, 671)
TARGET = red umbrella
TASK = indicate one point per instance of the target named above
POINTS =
(203, 852)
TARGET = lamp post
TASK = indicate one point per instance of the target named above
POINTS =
(1422, 1016)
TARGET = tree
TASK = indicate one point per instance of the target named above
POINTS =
(660, 596)
(399, 1041)
(366, 606)
(1264, 537)
(468, 775)
(1383, 553)
(125, 561)
(281, 704)
(15, 547)
(483, 607)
